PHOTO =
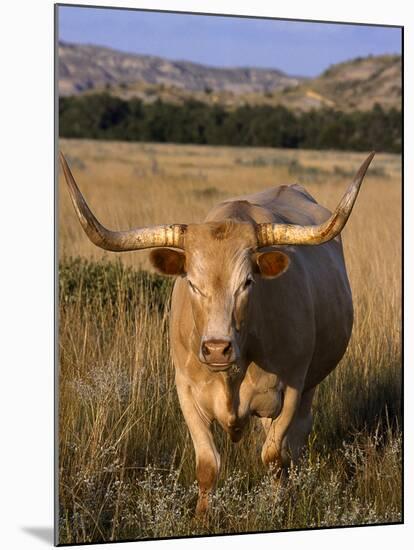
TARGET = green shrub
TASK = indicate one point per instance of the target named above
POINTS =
(111, 283)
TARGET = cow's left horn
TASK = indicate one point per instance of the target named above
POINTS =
(269, 234)
(120, 241)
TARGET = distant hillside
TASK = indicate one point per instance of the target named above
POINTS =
(354, 85)
(84, 67)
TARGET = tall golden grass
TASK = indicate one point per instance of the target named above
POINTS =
(126, 465)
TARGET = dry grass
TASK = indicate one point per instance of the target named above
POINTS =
(126, 460)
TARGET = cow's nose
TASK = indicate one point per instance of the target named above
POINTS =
(217, 351)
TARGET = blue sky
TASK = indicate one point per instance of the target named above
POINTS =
(298, 48)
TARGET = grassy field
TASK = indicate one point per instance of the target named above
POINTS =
(126, 464)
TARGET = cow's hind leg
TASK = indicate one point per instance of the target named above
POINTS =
(272, 448)
(207, 456)
(299, 430)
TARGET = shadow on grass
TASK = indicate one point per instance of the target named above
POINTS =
(372, 409)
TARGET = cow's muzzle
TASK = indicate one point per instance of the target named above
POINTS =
(219, 354)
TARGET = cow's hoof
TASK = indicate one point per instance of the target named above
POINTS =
(271, 458)
(201, 511)
(235, 434)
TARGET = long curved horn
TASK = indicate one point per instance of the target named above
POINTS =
(269, 234)
(120, 241)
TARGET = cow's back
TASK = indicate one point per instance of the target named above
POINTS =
(284, 204)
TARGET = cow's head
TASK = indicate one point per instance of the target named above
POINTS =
(221, 264)
(220, 260)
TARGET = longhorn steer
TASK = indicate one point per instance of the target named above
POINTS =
(258, 317)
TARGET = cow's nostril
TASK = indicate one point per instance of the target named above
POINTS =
(204, 349)
(227, 349)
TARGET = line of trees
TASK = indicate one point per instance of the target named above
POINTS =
(102, 116)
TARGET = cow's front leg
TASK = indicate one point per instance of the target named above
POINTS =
(207, 457)
(272, 448)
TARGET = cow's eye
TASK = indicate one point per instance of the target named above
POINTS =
(194, 288)
(249, 281)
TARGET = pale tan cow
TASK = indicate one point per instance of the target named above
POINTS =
(258, 317)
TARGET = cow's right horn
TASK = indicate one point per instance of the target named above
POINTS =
(120, 241)
(269, 234)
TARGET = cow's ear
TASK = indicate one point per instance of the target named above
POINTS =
(168, 261)
(271, 264)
